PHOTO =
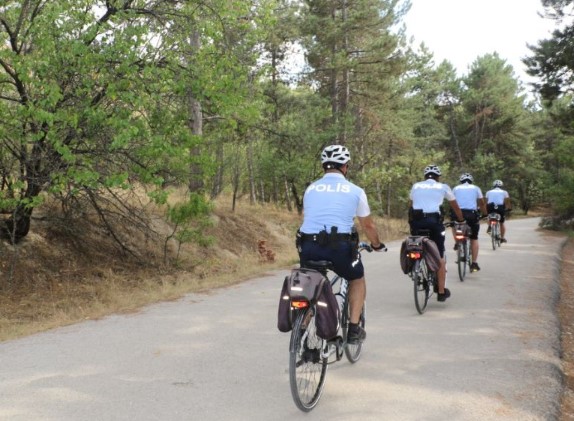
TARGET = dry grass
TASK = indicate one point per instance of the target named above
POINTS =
(62, 274)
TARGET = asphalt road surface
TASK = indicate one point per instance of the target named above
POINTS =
(490, 352)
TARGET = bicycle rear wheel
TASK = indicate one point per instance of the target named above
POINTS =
(462, 252)
(469, 254)
(307, 368)
(421, 287)
(352, 351)
(493, 234)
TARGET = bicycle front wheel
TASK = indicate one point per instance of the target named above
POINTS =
(421, 288)
(462, 259)
(307, 367)
(352, 351)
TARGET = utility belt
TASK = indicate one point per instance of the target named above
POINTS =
(324, 238)
(417, 214)
(492, 207)
(323, 235)
(471, 216)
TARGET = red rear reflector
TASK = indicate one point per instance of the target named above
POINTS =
(414, 254)
(459, 237)
(299, 304)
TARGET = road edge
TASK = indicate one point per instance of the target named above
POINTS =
(565, 312)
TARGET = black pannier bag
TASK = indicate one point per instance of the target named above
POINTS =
(303, 284)
(410, 244)
(310, 285)
(421, 244)
(431, 255)
(327, 317)
(284, 319)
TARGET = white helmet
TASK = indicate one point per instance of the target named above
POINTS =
(432, 169)
(497, 183)
(466, 176)
(335, 153)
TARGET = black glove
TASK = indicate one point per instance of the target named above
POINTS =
(381, 247)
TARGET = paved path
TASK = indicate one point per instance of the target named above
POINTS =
(490, 352)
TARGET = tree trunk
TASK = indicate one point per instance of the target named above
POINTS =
(334, 84)
(196, 183)
(455, 138)
(275, 193)
(298, 201)
(18, 225)
(345, 89)
(235, 186)
(287, 195)
(218, 179)
(250, 172)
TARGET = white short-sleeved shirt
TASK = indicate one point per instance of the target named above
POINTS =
(467, 195)
(496, 196)
(429, 194)
(333, 201)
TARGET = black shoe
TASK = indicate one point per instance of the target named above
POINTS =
(503, 240)
(356, 334)
(455, 248)
(488, 230)
(474, 267)
(444, 296)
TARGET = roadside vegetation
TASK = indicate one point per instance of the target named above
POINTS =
(66, 273)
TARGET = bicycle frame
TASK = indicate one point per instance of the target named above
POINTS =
(494, 223)
(421, 281)
(338, 343)
(421, 277)
(308, 353)
(463, 249)
(425, 282)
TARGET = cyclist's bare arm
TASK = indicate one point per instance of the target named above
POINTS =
(482, 205)
(456, 209)
(370, 229)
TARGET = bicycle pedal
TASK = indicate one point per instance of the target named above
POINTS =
(334, 346)
(328, 351)
(340, 348)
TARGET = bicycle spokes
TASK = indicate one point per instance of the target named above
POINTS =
(307, 367)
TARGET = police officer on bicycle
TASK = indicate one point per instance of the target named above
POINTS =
(469, 198)
(330, 205)
(498, 201)
(425, 212)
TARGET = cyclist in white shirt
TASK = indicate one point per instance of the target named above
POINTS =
(498, 201)
(469, 198)
(425, 202)
(328, 232)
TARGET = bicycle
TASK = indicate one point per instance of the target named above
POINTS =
(308, 353)
(494, 226)
(463, 250)
(423, 278)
